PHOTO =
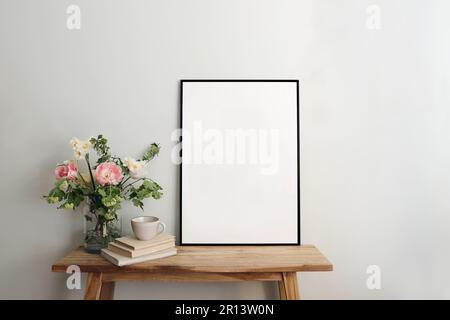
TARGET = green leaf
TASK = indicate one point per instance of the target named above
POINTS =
(52, 200)
(55, 192)
(60, 182)
(149, 184)
(68, 205)
(109, 201)
(100, 145)
(151, 152)
(110, 215)
(156, 195)
(138, 203)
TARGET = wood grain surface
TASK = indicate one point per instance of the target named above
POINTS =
(215, 259)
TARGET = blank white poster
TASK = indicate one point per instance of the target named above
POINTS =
(239, 177)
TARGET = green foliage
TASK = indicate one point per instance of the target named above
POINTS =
(68, 205)
(52, 200)
(56, 195)
(100, 145)
(152, 152)
(69, 194)
(105, 201)
(63, 186)
(148, 189)
(112, 202)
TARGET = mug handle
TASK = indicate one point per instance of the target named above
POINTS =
(163, 225)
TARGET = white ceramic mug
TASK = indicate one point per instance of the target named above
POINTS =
(147, 227)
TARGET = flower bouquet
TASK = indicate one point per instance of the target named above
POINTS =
(102, 186)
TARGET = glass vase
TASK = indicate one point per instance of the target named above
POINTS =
(98, 232)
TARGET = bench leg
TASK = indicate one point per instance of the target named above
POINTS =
(93, 286)
(288, 286)
(107, 291)
(282, 290)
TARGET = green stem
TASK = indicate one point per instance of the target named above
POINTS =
(90, 170)
(124, 181)
(133, 183)
(97, 225)
(79, 174)
(84, 181)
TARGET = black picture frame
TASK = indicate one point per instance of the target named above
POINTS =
(298, 242)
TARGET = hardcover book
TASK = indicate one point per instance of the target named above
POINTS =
(132, 243)
(120, 260)
(127, 252)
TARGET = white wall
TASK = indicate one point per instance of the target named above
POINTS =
(374, 126)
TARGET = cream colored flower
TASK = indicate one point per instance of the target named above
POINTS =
(80, 148)
(78, 154)
(85, 146)
(135, 167)
(74, 143)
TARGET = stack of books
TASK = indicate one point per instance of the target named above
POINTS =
(129, 250)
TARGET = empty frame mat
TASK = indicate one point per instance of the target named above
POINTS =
(240, 162)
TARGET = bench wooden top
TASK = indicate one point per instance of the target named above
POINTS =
(211, 259)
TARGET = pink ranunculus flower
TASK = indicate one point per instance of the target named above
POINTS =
(67, 170)
(61, 172)
(73, 171)
(108, 173)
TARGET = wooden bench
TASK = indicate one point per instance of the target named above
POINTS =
(203, 263)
